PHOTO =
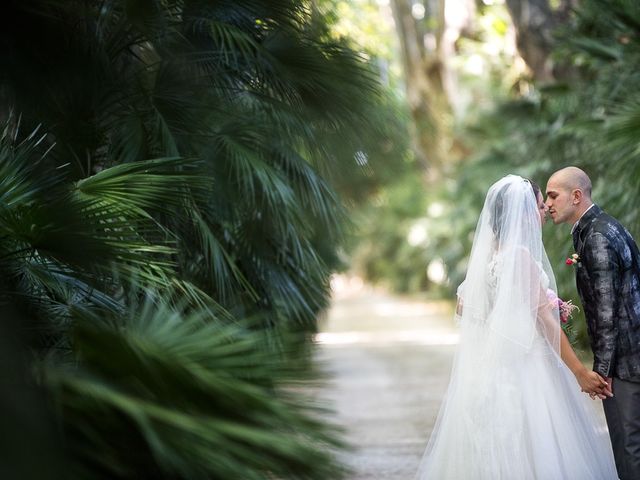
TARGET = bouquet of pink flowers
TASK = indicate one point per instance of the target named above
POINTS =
(565, 308)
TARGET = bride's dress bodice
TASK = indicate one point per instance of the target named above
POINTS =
(540, 280)
(494, 268)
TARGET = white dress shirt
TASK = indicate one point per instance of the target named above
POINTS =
(575, 225)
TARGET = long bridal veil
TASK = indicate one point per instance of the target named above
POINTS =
(512, 409)
(509, 276)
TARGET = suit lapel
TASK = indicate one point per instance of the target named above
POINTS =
(575, 235)
(584, 226)
(579, 243)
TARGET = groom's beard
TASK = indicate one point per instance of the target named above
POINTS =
(556, 219)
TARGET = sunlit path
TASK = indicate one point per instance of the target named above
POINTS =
(388, 361)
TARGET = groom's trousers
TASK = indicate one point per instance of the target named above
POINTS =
(623, 419)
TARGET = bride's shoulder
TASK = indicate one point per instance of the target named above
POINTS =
(519, 249)
(518, 253)
(521, 258)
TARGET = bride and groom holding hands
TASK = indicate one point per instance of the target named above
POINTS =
(514, 408)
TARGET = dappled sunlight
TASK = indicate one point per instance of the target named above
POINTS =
(408, 309)
(419, 337)
(362, 314)
(387, 359)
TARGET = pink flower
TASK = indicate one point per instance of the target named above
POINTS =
(565, 308)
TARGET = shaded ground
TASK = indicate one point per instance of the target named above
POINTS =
(388, 361)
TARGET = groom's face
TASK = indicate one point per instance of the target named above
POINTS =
(559, 202)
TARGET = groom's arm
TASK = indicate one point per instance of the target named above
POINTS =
(601, 261)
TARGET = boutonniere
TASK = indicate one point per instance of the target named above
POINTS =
(572, 260)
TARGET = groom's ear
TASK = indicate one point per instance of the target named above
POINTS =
(576, 196)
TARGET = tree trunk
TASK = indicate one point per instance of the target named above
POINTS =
(425, 91)
(458, 21)
(535, 21)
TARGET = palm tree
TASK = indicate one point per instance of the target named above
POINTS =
(248, 88)
(169, 223)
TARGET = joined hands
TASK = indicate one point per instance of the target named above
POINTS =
(595, 385)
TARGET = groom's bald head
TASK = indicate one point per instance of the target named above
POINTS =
(568, 195)
(573, 178)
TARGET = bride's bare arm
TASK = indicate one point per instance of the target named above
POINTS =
(548, 324)
(589, 381)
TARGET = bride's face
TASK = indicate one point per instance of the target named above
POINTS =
(542, 208)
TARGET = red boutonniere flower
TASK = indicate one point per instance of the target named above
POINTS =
(572, 260)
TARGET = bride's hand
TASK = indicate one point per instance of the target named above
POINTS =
(593, 384)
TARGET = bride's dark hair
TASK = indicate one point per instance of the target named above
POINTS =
(535, 188)
(498, 207)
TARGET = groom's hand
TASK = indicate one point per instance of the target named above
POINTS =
(593, 384)
(608, 390)
(609, 381)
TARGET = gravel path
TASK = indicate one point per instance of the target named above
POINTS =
(388, 361)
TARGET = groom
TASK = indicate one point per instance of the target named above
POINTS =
(608, 281)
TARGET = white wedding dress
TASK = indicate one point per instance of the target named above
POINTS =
(513, 410)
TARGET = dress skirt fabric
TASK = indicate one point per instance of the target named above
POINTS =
(515, 414)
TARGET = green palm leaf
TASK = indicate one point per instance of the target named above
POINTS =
(198, 402)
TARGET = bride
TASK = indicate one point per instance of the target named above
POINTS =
(514, 409)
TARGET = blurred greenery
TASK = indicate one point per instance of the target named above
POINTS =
(405, 229)
(173, 185)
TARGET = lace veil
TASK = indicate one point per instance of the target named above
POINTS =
(509, 280)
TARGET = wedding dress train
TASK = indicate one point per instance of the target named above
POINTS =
(515, 417)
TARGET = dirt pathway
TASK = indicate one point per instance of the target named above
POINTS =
(388, 361)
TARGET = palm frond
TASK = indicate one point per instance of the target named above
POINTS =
(199, 402)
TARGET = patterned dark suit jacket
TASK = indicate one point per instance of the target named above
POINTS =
(608, 281)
